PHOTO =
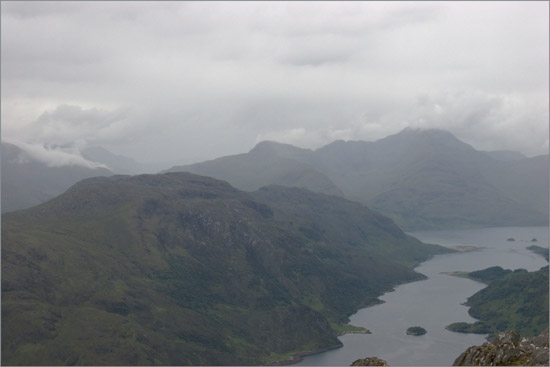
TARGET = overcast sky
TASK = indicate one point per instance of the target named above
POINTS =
(189, 81)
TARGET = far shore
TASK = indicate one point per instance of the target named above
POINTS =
(298, 357)
(468, 248)
(364, 331)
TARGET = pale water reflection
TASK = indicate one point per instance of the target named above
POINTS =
(435, 302)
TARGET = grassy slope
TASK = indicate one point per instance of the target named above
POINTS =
(178, 269)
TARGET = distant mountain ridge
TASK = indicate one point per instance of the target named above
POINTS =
(423, 179)
(117, 163)
(27, 182)
(267, 164)
(506, 155)
(180, 269)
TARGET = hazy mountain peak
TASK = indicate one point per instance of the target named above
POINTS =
(427, 137)
(431, 132)
(268, 147)
(49, 155)
(358, 147)
(28, 181)
(13, 154)
(116, 162)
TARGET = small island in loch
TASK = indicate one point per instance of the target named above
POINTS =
(416, 330)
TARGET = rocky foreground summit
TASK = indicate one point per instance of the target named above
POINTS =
(508, 349)
(370, 361)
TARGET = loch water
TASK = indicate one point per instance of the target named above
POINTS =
(435, 302)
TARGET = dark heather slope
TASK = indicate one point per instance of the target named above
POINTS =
(27, 182)
(179, 269)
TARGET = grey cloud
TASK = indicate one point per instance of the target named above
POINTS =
(196, 80)
(55, 156)
(318, 51)
(489, 122)
(34, 9)
(69, 125)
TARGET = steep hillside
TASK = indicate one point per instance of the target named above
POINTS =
(179, 269)
(27, 182)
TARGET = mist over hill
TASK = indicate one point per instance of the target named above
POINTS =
(423, 179)
(27, 181)
(120, 164)
(180, 269)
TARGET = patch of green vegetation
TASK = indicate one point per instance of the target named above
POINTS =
(478, 327)
(341, 329)
(516, 300)
(490, 274)
(459, 274)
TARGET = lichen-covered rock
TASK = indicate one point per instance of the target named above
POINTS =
(508, 349)
(370, 361)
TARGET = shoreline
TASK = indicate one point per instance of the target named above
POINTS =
(464, 248)
(463, 275)
(365, 331)
(298, 357)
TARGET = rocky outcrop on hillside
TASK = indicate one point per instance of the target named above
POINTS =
(370, 361)
(508, 349)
